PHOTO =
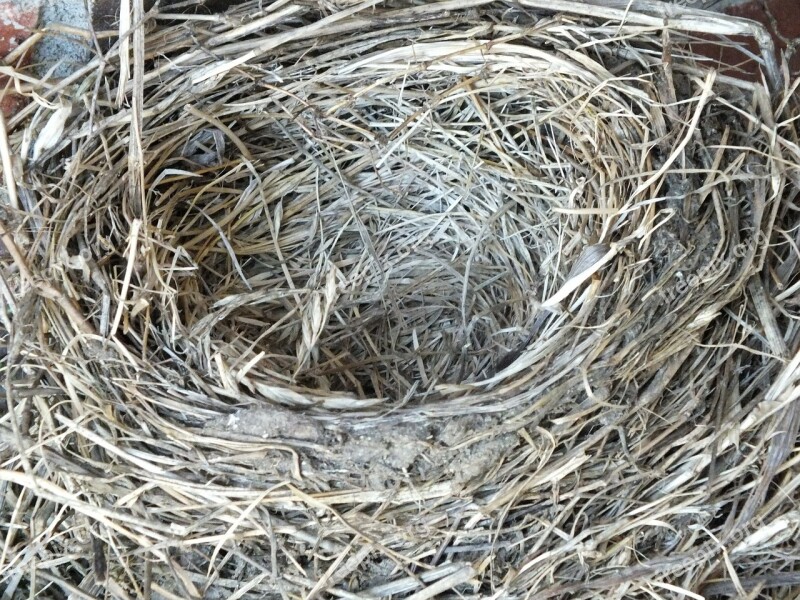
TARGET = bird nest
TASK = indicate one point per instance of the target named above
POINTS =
(423, 301)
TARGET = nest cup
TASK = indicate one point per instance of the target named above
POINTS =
(372, 302)
(375, 230)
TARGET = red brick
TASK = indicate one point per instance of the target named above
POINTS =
(781, 18)
(16, 24)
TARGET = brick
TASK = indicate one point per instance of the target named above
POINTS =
(781, 18)
(17, 21)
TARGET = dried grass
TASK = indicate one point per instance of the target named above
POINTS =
(454, 300)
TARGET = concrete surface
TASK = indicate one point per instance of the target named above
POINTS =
(62, 52)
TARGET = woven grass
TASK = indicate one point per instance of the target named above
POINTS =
(368, 301)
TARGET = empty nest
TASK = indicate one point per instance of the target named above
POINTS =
(401, 301)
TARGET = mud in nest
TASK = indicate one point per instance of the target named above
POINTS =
(379, 301)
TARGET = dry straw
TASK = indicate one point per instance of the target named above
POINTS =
(463, 299)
